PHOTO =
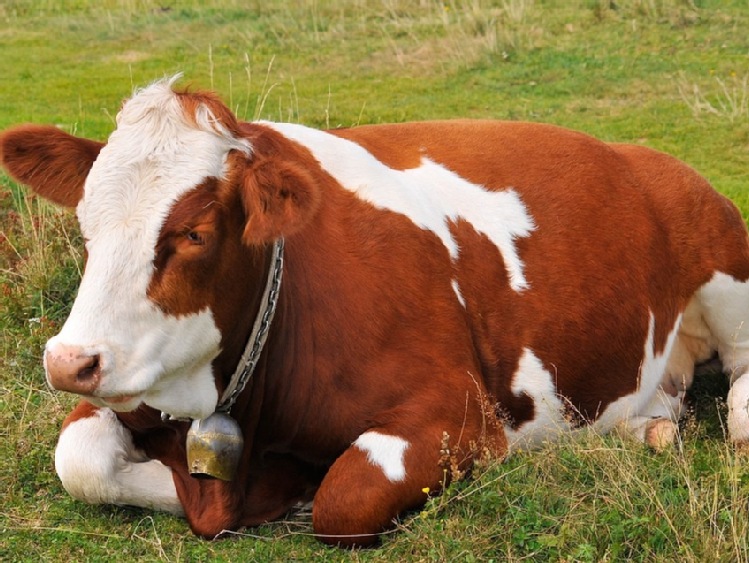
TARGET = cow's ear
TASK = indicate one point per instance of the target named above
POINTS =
(280, 197)
(51, 162)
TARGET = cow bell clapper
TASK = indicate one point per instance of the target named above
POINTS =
(214, 447)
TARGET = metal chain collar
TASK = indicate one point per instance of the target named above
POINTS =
(259, 333)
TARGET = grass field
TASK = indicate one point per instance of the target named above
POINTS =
(670, 74)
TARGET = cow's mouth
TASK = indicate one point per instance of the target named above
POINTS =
(120, 399)
(120, 403)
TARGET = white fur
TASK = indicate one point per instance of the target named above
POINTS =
(153, 157)
(738, 410)
(532, 379)
(725, 306)
(716, 318)
(661, 406)
(386, 452)
(693, 344)
(98, 464)
(646, 400)
(430, 195)
(458, 294)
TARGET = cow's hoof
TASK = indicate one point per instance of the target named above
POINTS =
(660, 434)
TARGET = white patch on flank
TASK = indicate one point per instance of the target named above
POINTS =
(631, 412)
(646, 398)
(98, 464)
(384, 451)
(532, 379)
(431, 195)
(456, 289)
(153, 157)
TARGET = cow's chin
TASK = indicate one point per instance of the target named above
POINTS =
(186, 394)
(189, 393)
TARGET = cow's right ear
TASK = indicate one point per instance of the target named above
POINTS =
(51, 162)
(279, 197)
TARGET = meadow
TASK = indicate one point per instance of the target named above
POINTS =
(669, 74)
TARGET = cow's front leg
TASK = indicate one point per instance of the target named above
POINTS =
(98, 463)
(385, 472)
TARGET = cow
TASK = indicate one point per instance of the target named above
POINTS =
(372, 307)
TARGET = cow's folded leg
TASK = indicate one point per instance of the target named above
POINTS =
(656, 424)
(98, 463)
(735, 359)
(725, 301)
(381, 475)
(657, 432)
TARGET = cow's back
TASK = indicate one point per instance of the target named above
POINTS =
(623, 238)
(703, 227)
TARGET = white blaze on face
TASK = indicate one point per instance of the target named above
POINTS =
(153, 157)
(431, 195)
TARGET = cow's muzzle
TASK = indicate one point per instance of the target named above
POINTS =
(70, 368)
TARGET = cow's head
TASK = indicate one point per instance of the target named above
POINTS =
(177, 211)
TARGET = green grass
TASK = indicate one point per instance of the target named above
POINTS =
(671, 74)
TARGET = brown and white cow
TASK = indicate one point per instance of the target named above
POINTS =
(437, 277)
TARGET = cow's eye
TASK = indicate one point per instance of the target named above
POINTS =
(194, 237)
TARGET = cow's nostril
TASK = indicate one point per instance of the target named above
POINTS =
(89, 372)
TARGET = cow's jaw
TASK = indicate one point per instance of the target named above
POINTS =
(144, 355)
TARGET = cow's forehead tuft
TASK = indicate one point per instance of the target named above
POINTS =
(146, 103)
(160, 115)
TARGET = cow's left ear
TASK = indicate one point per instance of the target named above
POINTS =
(51, 162)
(279, 197)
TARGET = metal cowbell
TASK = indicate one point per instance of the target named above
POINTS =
(214, 446)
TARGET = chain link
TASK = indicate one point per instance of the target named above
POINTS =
(260, 333)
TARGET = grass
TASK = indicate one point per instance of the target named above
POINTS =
(670, 74)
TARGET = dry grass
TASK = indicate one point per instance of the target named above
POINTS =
(725, 97)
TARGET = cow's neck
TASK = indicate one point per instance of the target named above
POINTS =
(238, 305)
(325, 308)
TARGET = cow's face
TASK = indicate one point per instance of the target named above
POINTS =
(166, 210)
